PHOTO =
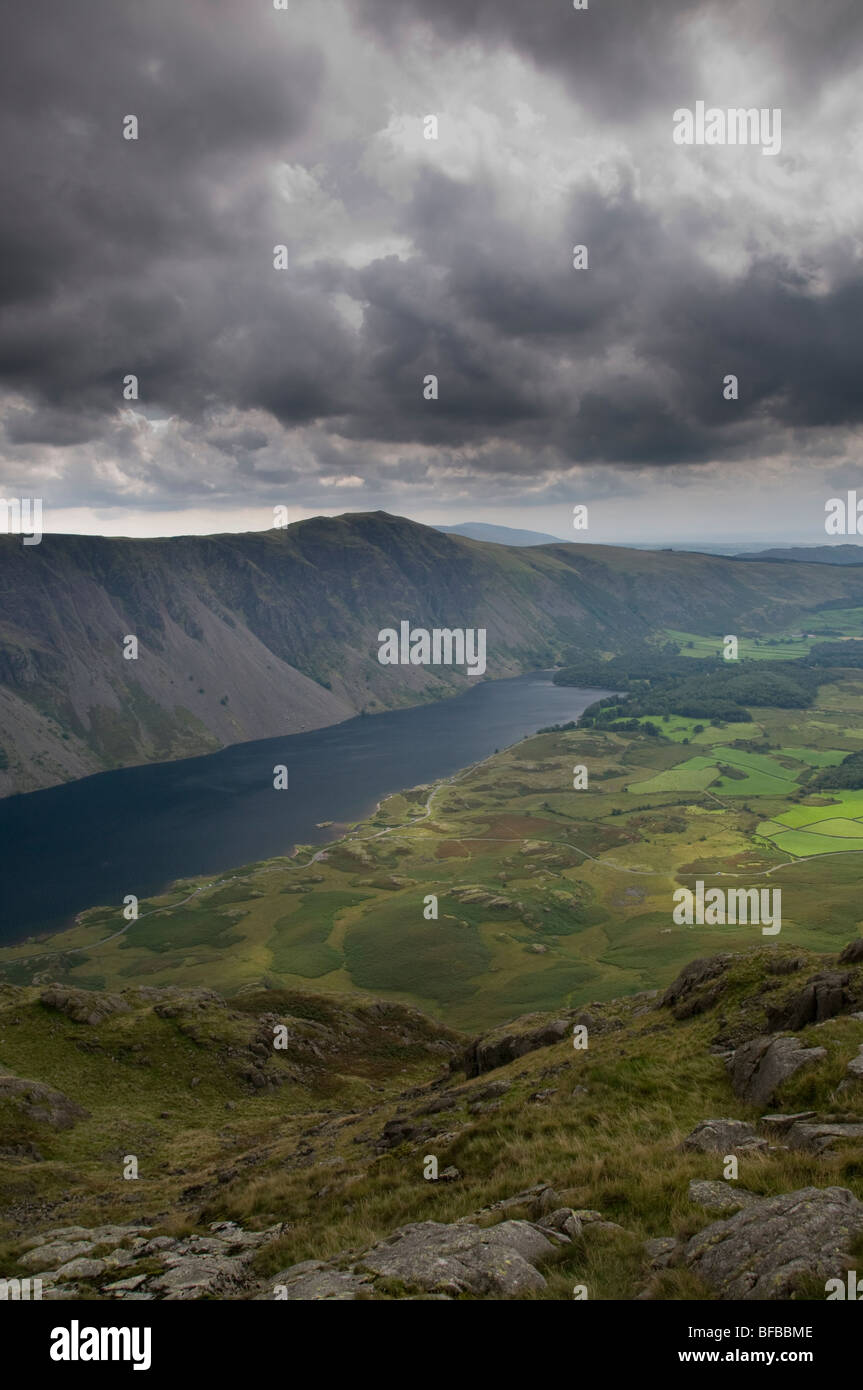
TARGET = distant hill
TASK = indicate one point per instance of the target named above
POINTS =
(499, 535)
(250, 636)
(812, 554)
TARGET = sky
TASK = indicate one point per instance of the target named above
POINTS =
(409, 257)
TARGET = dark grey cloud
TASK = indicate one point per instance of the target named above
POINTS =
(408, 258)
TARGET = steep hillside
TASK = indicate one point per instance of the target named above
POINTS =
(304, 1173)
(250, 636)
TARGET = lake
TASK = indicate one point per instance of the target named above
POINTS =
(137, 829)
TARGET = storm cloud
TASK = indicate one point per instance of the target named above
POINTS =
(411, 257)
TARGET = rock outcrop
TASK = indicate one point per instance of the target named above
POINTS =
(767, 1248)
(759, 1067)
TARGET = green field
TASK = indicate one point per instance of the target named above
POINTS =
(545, 895)
(836, 624)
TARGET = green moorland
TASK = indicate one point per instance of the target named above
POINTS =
(545, 895)
(548, 898)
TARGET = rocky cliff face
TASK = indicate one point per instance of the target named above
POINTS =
(251, 636)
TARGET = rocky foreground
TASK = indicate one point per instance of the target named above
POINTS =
(767, 1029)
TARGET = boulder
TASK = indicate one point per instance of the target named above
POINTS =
(42, 1103)
(314, 1281)
(660, 1250)
(82, 1005)
(692, 977)
(564, 1219)
(817, 1138)
(760, 1066)
(762, 1251)
(780, 1124)
(822, 997)
(54, 1254)
(497, 1261)
(505, 1044)
(852, 953)
(719, 1196)
(723, 1136)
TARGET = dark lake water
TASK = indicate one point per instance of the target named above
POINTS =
(137, 829)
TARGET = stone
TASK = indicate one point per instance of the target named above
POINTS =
(564, 1219)
(822, 997)
(313, 1281)
(660, 1250)
(852, 952)
(82, 1269)
(53, 1255)
(503, 1045)
(125, 1285)
(780, 1124)
(692, 976)
(496, 1261)
(760, 1066)
(715, 1195)
(762, 1251)
(818, 1138)
(723, 1136)
(44, 1104)
(82, 1005)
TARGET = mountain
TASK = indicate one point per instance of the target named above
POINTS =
(499, 535)
(813, 554)
(250, 636)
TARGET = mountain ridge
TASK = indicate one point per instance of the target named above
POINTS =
(250, 636)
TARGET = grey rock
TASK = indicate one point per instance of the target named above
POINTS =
(852, 952)
(565, 1220)
(719, 1196)
(56, 1254)
(692, 977)
(82, 1269)
(44, 1104)
(822, 997)
(313, 1281)
(760, 1066)
(496, 1261)
(723, 1136)
(763, 1250)
(538, 1199)
(83, 1005)
(780, 1124)
(817, 1138)
(125, 1285)
(503, 1045)
(660, 1251)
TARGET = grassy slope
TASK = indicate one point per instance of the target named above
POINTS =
(519, 861)
(211, 1148)
(546, 895)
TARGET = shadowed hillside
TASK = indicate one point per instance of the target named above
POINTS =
(251, 636)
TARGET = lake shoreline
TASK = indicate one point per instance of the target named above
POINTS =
(141, 830)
